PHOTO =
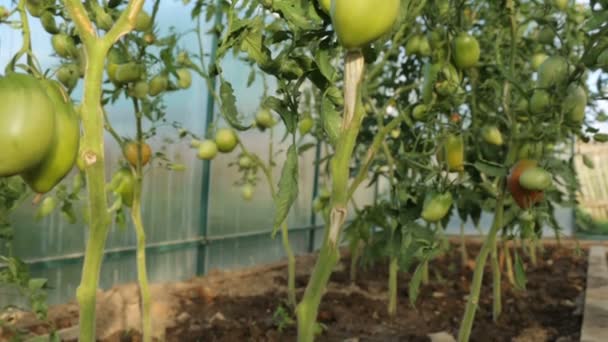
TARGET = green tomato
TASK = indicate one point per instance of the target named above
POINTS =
(466, 51)
(453, 150)
(424, 49)
(436, 206)
(396, 133)
(491, 135)
(104, 20)
(128, 72)
(207, 150)
(35, 7)
(27, 123)
(264, 119)
(247, 192)
(305, 125)
(68, 75)
(546, 35)
(325, 5)
(561, 5)
(420, 111)
(359, 23)
(4, 13)
(553, 71)
(143, 22)
(575, 103)
(412, 47)
(138, 90)
(184, 78)
(64, 45)
(245, 162)
(448, 80)
(158, 84)
(538, 59)
(63, 151)
(126, 186)
(226, 140)
(539, 102)
(535, 179)
(47, 19)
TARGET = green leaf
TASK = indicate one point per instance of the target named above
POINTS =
(36, 284)
(332, 121)
(490, 169)
(323, 60)
(588, 162)
(520, 273)
(601, 137)
(253, 44)
(289, 118)
(229, 111)
(414, 286)
(288, 188)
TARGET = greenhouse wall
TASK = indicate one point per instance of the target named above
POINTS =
(190, 230)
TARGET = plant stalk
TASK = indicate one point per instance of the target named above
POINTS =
(509, 263)
(496, 282)
(425, 272)
(291, 266)
(464, 257)
(308, 307)
(393, 269)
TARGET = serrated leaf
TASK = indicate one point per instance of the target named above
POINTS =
(229, 110)
(288, 188)
(323, 60)
(253, 44)
(520, 273)
(490, 169)
(289, 118)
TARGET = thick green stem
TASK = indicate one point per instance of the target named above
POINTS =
(291, 266)
(93, 154)
(473, 300)
(329, 255)
(496, 282)
(532, 248)
(464, 257)
(509, 263)
(392, 286)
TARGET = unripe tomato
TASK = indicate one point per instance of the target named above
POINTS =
(454, 152)
(63, 152)
(149, 38)
(424, 49)
(129, 72)
(448, 80)
(207, 150)
(538, 59)
(264, 119)
(157, 85)
(360, 22)
(523, 197)
(546, 35)
(184, 78)
(535, 178)
(125, 186)
(27, 123)
(466, 51)
(143, 22)
(183, 59)
(4, 13)
(64, 45)
(47, 19)
(419, 112)
(491, 135)
(553, 71)
(138, 90)
(104, 20)
(325, 5)
(247, 192)
(575, 103)
(35, 7)
(412, 47)
(305, 125)
(396, 133)
(68, 75)
(245, 162)
(436, 206)
(226, 140)
(47, 207)
(561, 5)
(539, 102)
(131, 151)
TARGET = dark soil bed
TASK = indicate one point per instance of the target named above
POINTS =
(549, 310)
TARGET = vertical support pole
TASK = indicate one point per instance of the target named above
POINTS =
(202, 250)
(315, 193)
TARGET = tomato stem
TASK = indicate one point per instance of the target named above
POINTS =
(496, 284)
(393, 270)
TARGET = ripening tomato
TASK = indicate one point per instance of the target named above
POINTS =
(523, 197)
(466, 51)
(131, 152)
(360, 22)
(436, 206)
(207, 150)
(61, 157)
(226, 140)
(27, 123)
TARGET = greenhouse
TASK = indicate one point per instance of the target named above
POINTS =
(304, 170)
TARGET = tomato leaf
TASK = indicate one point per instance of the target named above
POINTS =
(289, 118)
(229, 111)
(588, 161)
(600, 137)
(414, 286)
(490, 169)
(288, 188)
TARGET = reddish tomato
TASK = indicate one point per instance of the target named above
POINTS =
(524, 198)
(131, 150)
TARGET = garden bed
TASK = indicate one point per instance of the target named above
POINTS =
(240, 305)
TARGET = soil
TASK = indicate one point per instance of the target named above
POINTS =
(241, 306)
